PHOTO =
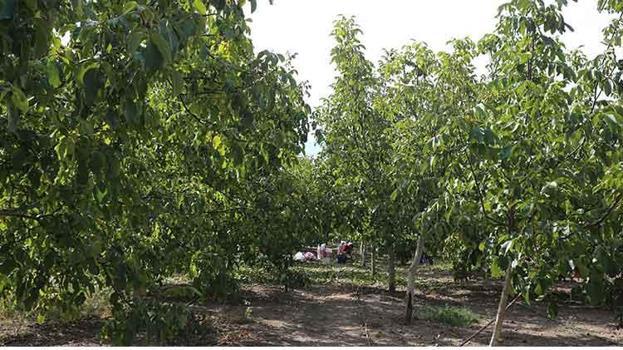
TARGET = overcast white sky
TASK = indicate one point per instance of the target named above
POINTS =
(303, 27)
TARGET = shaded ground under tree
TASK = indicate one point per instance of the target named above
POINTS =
(343, 306)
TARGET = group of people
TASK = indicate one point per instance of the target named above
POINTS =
(344, 252)
(323, 253)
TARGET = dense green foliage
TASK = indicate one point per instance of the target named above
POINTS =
(515, 170)
(145, 139)
(139, 139)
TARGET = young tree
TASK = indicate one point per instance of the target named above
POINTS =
(354, 139)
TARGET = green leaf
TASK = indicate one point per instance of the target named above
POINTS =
(163, 47)
(153, 57)
(53, 75)
(508, 246)
(111, 118)
(582, 269)
(129, 7)
(611, 119)
(496, 271)
(93, 82)
(131, 112)
(480, 111)
(394, 195)
(477, 134)
(253, 5)
(100, 194)
(607, 87)
(607, 263)
(200, 7)
(134, 40)
(19, 99)
(538, 290)
(178, 82)
(549, 188)
(246, 119)
(489, 136)
(64, 148)
(13, 119)
(78, 6)
(83, 70)
(506, 152)
(40, 319)
(217, 142)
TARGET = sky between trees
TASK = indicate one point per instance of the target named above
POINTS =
(303, 27)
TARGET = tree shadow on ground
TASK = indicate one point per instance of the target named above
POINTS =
(83, 332)
(342, 313)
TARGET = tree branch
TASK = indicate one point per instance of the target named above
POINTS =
(614, 205)
(479, 192)
(17, 214)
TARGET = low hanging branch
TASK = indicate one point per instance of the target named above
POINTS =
(480, 195)
(490, 322)
(614, 205)
(18, 214)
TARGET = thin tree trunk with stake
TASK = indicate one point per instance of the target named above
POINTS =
(391, 269)
(419, 249)
(496, 336)
(362, 251)
(373, 260)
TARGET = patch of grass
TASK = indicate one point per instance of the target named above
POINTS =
(440, 266)
(339, 274)
(9, 310)
(336, 274)
(453, 316)
(357, 275)
(97, 303)
(256, 274)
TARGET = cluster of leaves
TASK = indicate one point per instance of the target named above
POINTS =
(159, 323)
(140, 139)
(518, 169)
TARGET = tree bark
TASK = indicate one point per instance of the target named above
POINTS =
(362, 251)
(496, 336)
(373, 260)
(391, 269)
(419, 249)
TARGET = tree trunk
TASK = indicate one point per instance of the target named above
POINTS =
(499, 318)
(486, 281)
(391, 269)
(373, 260)
(362, 251)
(419, 249)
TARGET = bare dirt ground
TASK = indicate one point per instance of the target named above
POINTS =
(27, 333)
(347, 316)
(342, 314)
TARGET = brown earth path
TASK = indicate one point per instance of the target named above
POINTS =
(345, 315)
